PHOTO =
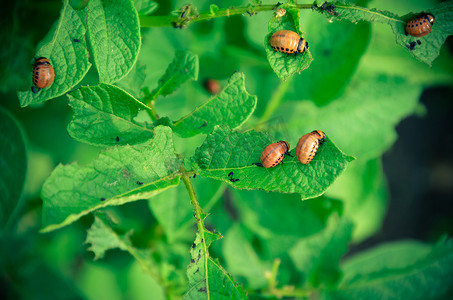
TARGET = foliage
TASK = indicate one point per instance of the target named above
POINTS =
(146, 129)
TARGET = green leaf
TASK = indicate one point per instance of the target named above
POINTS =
(119, 175)
(328, 75)
(13, 165)
(232, 107)
(104, 115)
(183, 67)
(68, 57)
(242, 260)
(114, 34)
(430, 45)
(398, 270)
(133, 83)
(283, 218)
(225, 151)
(318, 256)
(286, 65)
(362, 121)
(145, 7)
(363, 190)
(207, 279)
(103, 238)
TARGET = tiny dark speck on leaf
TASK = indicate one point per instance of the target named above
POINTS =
(230, 174)
(76, 40)
(139, 182)
(102, 199)
(202, 290)
(193, 246)
(192, 260)
(117, 139)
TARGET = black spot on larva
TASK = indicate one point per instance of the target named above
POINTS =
(287, 49)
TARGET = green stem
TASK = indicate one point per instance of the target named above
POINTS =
(160, 21)
(193, 200)
(274, 101)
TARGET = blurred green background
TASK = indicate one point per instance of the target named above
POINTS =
(418, 168)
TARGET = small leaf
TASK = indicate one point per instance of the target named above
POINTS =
(114, 34)
(285, 65)
(68, 57)
(104, 115)
(183, 67)
(119, 175)
(145, 7)
(207, 279)
(225, 151)
(232, 107)
(430, 45)
(13, 166)
(318, 256)
(398, 270)
(103, 238)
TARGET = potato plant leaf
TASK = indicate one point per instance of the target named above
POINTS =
(368, 110)
(13, 165)
(429, 47)
(207, 278)
(119, 175)
(183, 67)
(318, 256)
(103, 238)
(285, 65)
(67, 52)
(104, 115)
(114, 34)
(230, 156)
(232, 107)
(393, 270)
(145, 7)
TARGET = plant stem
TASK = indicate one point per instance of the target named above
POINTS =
(275, 100)
(177, 21)
(193, 199)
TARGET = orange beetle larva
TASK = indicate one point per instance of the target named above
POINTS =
(43, 73)
(288, 42)
(308, 146)
(420, 26)
(273, 154)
